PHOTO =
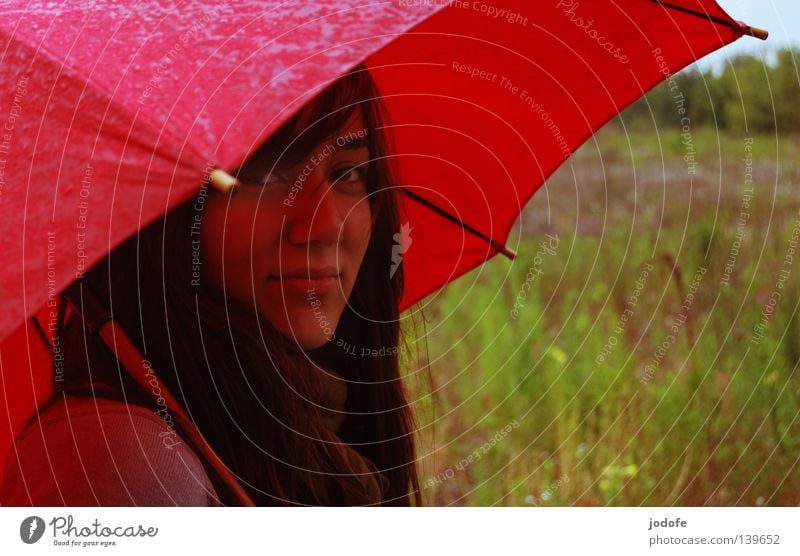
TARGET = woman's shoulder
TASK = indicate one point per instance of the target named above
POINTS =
(93, 451)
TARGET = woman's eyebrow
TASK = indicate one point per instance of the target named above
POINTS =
(349, 141)
(352, 142)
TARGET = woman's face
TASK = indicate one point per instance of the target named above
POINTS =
(322, 204)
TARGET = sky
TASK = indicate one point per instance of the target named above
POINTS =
(780, 17)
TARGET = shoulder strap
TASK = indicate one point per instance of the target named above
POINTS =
(101, 325)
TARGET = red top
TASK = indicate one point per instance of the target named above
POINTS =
(101, 452)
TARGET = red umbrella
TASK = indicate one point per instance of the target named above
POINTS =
(111, 115)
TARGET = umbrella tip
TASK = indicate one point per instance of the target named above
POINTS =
(753, 31)
(505, 250)
(223, 181)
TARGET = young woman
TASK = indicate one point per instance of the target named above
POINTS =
(260, 309)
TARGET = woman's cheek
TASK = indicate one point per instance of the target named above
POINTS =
(226, 233)
(359, 230)
(211, 232)
(361, 220)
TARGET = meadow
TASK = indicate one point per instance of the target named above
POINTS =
(643, 347)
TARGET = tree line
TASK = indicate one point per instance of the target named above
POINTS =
(749, 95)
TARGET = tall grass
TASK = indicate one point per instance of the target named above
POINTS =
(709, 416)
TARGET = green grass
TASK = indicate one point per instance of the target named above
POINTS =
(717, 423)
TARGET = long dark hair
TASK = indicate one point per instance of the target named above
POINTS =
(252, 392)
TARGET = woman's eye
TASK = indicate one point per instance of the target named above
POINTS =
(348, 174)
(273, 178)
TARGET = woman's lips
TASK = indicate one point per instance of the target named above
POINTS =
(306, 286)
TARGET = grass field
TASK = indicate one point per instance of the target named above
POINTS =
(645, 353)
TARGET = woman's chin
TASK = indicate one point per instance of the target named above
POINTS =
(308, 338)
(308, 331)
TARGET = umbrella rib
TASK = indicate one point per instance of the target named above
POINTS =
(41, 333)
(736, 25)
(510, 253)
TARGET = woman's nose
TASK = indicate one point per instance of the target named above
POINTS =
(316, 218)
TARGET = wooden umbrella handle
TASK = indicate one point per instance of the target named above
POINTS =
(754, 31)
(100, 323)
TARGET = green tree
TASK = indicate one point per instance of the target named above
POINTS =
(748, 96)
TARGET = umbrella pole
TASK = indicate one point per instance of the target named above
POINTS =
(100, 323)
